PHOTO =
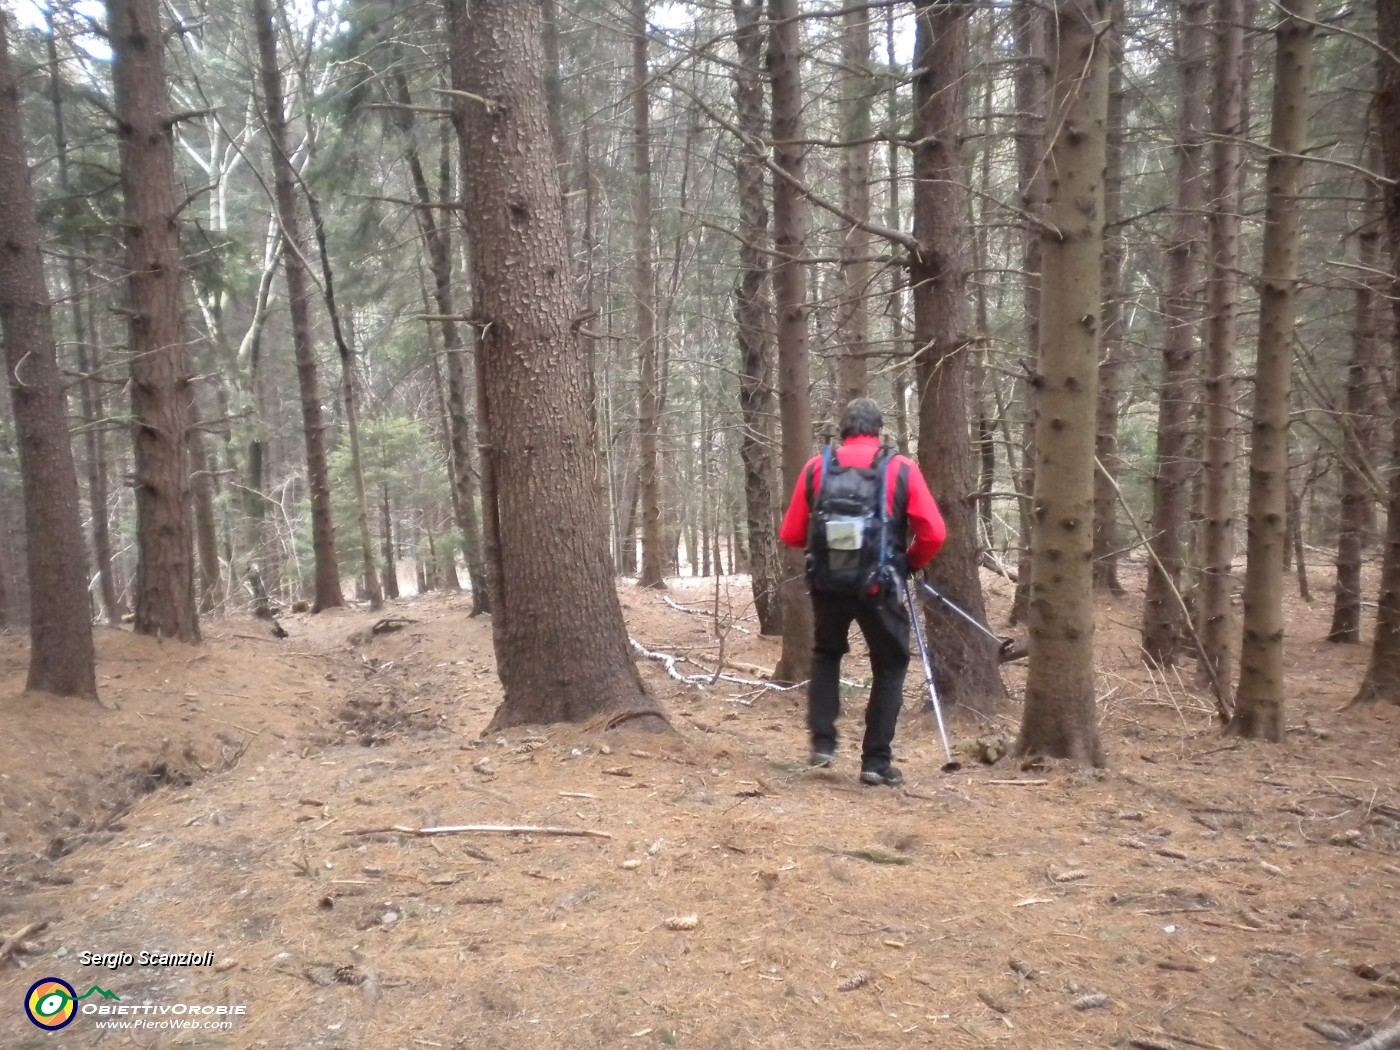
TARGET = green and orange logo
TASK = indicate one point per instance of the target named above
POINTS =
(52, 1003)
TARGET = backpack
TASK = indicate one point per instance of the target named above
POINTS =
(850, 545)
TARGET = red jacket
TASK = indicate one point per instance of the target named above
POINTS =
(926, 527)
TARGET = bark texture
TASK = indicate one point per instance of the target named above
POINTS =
(653, 572)
(1060, 712)
(966, 660)
(561, 644)
(753, 317)
(1215, 615)
(1163, 627)
(1106, 535)
(1382, 681)
(1259, 704)
(857, 246)
(60, 628)
(162, 399)
(1357, 426)
(1032, 102)
(327, 582)
(790, 296)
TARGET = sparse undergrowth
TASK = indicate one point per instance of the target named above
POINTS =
(1202, 892)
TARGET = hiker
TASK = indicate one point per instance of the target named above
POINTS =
(867, 519)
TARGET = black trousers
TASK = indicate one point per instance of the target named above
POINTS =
(885, 625)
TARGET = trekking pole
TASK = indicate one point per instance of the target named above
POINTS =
(1003, 643)
(951, 766)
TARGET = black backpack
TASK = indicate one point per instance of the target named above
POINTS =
(850, 541)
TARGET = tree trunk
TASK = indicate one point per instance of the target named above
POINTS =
(60, 628)
(1357, 428)
(346, 353)
(84, 339)
(754, 324)
(967, 661)
(206, 528)
(561, 644)
(1382, 681)
(1032, 102)
(386, 543)
(1215, 614)
(1163, 624)
(1106, 535)
(438, 239)
(1060, 718)
(327, 582)
(1295, 541)
(161, 394)
(1259, 709)
(857, 246)
(790, 302)
(644, 296)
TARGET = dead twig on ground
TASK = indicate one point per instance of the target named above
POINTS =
(701, 612)
(390, 624)
(484, 829)
(15, 943)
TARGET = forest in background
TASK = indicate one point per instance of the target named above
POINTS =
(294, 255)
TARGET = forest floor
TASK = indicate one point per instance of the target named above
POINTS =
(1202, 893)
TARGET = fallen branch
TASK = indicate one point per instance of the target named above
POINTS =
(1189, 1041)
(700, 612)
(14, 944)
(1021, 783)
(700, 680)
(484, 829)
(1385, 1039)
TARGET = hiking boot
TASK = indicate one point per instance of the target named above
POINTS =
(890, 776)
(820, 759)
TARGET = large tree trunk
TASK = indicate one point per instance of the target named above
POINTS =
(1215, 613)
(1060, 717)
(1382, 681)
(790, 301)
(327, 582)
(1259, 708)
(1163, 617)
(644, 296)
(161, 394)
(753, 319)
(561, 644)
(966, 660)
(60, 627)
(857, 246)
(1357, 425)
(1106, 537)
(1032, 102)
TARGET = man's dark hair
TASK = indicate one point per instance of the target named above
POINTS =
(862, 416)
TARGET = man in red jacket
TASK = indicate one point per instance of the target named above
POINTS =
(914, 532)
